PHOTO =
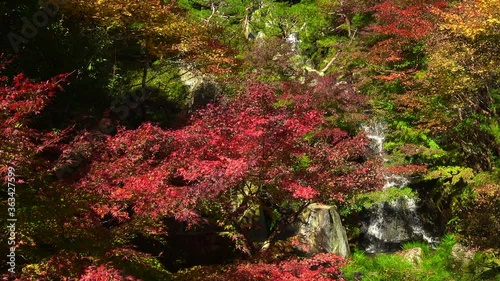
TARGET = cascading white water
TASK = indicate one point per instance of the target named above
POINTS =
(376, 132)
(293, 39)
(417, 227)
(395, 222)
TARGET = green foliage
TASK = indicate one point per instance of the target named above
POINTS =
(140, 265)
(369, 199)
(393, 87)
(436, 265)
(164, 98)
(417, 244)
(303, 162)
(284, 103)
(451, 185)
(228, 16)
(200, 273)
(495, 96)
(381, 267)
(451, 176)
(414, 57)
(485, 178)
(486, 265)
(411, 135)
(492, 127)
(406, 144)
(476, 212)
(360, 20)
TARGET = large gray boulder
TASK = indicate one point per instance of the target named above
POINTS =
(319, 230)
(201, 88)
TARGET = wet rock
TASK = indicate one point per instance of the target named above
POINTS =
(388, 225)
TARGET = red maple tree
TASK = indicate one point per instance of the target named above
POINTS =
(403, 22)
(266, 146)
(20, 100)
(272, 147)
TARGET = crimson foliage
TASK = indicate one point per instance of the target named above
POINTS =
(266, 147)
(20, 100)
(320, 267)
(271, 147)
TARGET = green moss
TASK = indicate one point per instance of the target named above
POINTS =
(367, 200)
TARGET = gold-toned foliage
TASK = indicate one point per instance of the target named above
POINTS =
(164, 29)
(464, 54)
(473, 18)
(463, 73)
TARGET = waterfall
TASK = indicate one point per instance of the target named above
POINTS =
(390, 224)
(376, 132)
(293, 39)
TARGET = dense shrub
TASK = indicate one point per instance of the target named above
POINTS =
(320, 267)
(478, 216)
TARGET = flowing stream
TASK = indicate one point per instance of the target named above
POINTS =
(391, 224)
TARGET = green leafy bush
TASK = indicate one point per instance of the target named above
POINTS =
(477, 211)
